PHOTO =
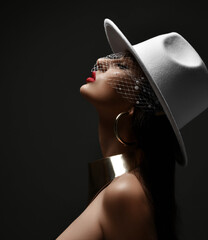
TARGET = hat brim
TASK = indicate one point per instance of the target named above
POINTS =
(119, 43)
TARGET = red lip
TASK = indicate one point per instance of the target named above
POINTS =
(94, 74)
(91, 79)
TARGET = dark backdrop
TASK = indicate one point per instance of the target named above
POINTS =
(49, 132)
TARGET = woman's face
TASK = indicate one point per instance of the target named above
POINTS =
(117, 72)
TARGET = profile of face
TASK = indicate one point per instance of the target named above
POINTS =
(118, 82)
(115, 82)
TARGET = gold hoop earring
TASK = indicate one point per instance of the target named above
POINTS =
(116, 130)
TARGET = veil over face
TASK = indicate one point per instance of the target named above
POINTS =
(128, 79)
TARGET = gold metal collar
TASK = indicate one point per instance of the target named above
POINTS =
(103, 171)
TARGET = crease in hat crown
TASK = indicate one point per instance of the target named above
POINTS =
(175, 71)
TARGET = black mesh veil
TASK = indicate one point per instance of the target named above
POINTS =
(129, 80)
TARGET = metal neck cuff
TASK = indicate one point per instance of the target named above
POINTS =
(103, 171)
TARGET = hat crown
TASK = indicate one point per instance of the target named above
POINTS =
(180, 50)
(178, 75)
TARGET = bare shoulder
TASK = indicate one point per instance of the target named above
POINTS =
(123, 191)
(127, 212)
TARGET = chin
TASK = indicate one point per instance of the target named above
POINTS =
(85, 92)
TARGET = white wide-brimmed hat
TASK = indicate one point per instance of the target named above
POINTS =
(175, 71)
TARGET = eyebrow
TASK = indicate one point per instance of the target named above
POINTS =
(123, 59)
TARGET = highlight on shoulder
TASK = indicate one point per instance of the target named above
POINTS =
(125, 191)
(127, 210)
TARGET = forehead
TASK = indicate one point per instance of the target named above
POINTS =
(116, 55)
(122, 56)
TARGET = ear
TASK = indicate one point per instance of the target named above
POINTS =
(131, 111)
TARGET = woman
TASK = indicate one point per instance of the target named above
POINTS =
(143, 101)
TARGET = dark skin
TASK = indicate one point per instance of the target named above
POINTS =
(121, 210)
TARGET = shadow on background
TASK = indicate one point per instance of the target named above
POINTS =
(49, 132)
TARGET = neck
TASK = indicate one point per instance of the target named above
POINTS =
(109, 144)
(117, 158)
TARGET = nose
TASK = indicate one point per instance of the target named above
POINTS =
(102, 64)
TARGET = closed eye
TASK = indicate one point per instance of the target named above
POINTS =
(121, 66)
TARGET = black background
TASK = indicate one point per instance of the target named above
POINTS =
(49, 132)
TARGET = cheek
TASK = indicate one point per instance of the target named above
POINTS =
(100, 91)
